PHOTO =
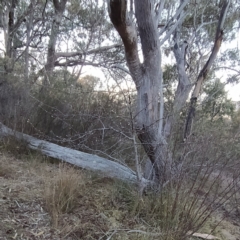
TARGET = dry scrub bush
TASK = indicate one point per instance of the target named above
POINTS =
(16, 107)
(205, 183)
(168, 213)
(61, 192)
(6, 170)
(17, 148)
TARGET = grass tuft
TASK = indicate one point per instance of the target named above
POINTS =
(61, 192)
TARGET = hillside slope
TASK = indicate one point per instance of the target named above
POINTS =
(100, 208)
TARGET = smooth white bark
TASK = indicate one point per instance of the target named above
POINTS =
(84, 160)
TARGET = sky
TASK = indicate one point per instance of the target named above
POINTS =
(233, 91)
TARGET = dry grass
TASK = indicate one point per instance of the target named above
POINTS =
(41, 200)
(6, 170)
(17, 148)
(62, 191)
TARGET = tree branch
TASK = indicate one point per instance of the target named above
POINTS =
(217, 44)
(179, 16)
(118, 66)
(148, 31)
(71, 63)
(127, 31)
(160, 9)
(92, 51)
(184, 85)
(204, 72)
(21, 19)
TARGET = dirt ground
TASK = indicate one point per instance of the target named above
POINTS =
(23, 213)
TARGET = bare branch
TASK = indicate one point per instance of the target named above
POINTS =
(160, 9)
(204, 72)
(121, 68)
(21, 19)
(71, 63)
(172, 29)
(217, 44)
(92, 51)
(179, 16)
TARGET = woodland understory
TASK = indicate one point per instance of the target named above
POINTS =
(133, 91)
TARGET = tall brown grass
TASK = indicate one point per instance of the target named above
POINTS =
(61, 192)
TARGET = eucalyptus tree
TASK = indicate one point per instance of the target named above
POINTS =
(78, 36)
(51, 34)
(15, 14)
(193, 31)
(215, 104)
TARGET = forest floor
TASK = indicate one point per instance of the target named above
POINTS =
(100, 212)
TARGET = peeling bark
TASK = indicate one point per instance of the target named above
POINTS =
(127, 31)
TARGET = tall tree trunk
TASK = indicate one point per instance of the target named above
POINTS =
(11, 24)
(9, 37)
(184, 85)
(147, 77)
(153, 132)
(29, 26)
(59, 8)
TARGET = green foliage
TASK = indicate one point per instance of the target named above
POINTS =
(77, 113)
(169, 80)
(216, 105)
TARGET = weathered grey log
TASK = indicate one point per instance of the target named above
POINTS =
(84, 160)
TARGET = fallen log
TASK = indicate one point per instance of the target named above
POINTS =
(83, 160)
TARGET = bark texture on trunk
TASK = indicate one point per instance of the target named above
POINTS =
(147, 76)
